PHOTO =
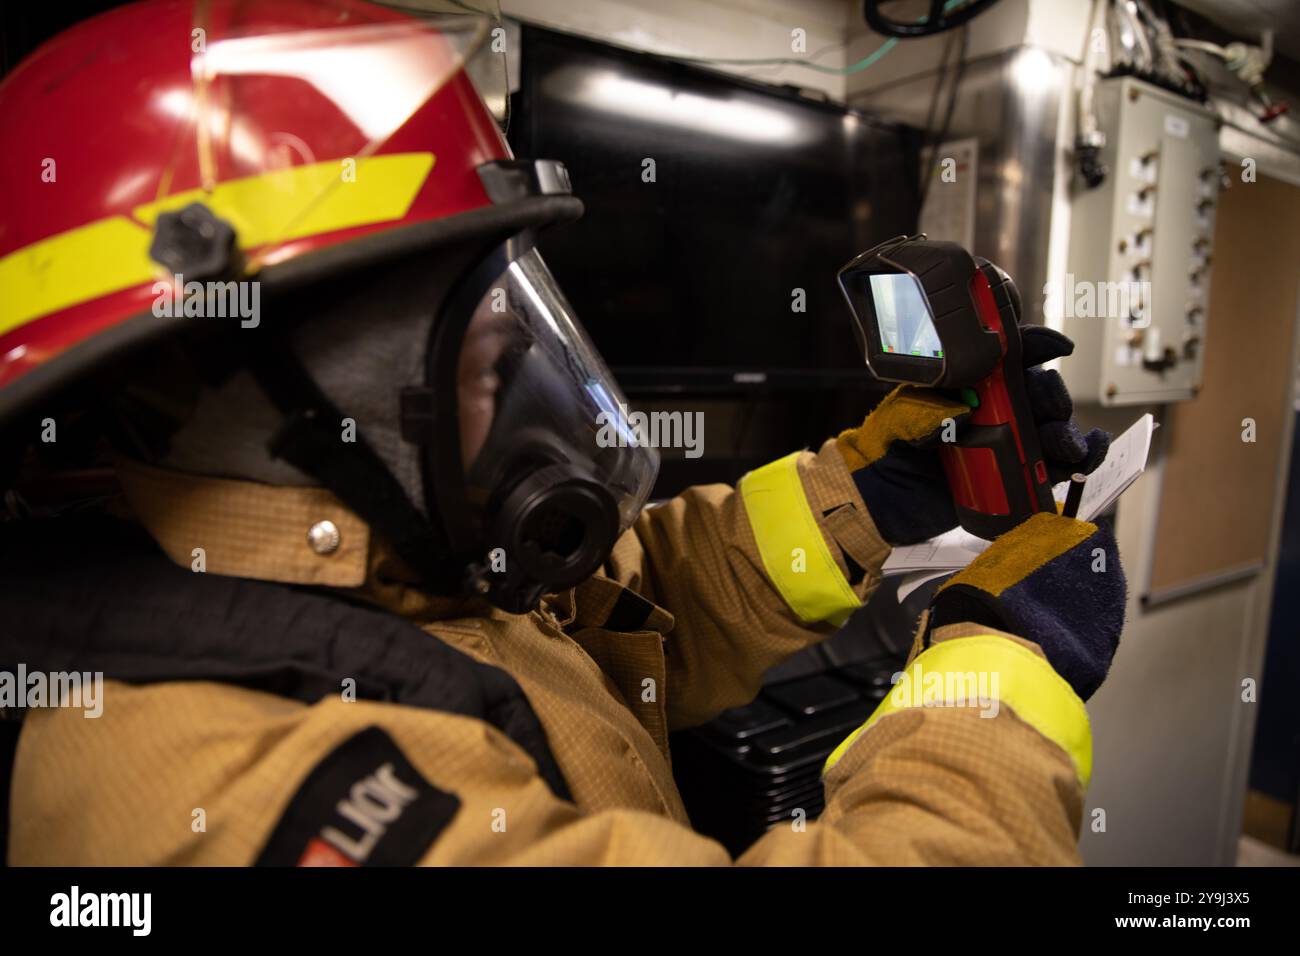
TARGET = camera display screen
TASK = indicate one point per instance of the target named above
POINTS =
(903, 317)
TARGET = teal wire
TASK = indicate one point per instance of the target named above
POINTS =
(862, 64)
(869, 60)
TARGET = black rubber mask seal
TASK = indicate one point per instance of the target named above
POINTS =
(524, 493)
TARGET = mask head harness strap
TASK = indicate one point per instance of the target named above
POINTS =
(353, 471)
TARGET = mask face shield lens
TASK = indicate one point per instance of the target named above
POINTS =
(533, 394)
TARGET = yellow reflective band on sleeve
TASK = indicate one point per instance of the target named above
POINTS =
(113, 253)
(983, 670)
(790, 543)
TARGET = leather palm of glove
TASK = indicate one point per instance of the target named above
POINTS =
(893, 454)
(1053, 580)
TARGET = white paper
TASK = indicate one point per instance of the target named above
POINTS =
(957, 548)
(914, 580)
(949, 551)
(1124, 463)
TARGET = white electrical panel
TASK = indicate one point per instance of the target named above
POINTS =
(1136, 289)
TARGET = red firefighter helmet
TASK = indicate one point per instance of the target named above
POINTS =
(301, 124)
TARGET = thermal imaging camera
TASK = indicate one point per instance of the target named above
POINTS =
(928, 313)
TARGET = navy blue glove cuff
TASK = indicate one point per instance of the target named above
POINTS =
(907, 495)
(1073, 611)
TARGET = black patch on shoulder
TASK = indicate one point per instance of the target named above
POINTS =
(363, 805)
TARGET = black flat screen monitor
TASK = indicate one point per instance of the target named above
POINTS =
(718, 211)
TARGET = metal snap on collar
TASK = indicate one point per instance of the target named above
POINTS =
(324, 537)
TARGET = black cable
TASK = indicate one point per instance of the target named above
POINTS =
(941, 18)
(956, 82)
(938, 90)
(1177, 17)
(934, 144)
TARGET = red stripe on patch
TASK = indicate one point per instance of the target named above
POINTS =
(320, 853)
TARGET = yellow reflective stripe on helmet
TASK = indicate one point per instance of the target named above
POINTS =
(1024, 682)
(113, 253)
(72, 267)
(791, 545)
(308, 200)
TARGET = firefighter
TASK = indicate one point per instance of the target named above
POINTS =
(372, 591)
